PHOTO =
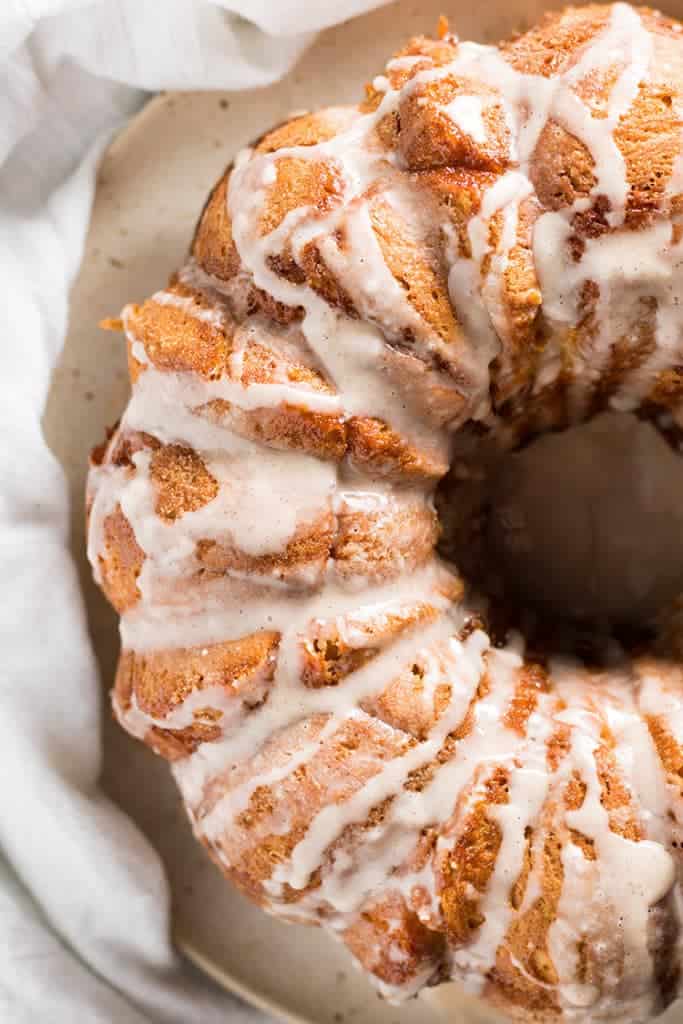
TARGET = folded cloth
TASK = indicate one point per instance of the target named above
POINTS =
(84, 904)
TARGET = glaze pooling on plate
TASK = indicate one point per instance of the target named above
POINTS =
(489, 245)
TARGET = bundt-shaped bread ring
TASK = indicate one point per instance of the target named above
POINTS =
(488, 247)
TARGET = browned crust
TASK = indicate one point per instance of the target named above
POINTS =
(328, 658)
(284, 426)
(178, 341)
(305, 554)
(377, 450)
(389, 940)
(182, 481)
(451, 173)
(357, 751)
(213, 246)
(121, 563)
(429, 139)
(160, 681)
(465, 870)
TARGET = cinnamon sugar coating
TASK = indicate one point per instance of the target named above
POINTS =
(489, 246)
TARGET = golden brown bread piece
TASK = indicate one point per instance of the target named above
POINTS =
(487, 247)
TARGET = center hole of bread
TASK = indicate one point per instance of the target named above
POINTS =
(582, 528)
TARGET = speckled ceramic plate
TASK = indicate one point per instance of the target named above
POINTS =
(151, 186)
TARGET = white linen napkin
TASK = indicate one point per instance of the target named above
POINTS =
(84, 908)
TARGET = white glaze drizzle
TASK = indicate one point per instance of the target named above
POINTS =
(628, 266)
(467, 112)
(612, 895)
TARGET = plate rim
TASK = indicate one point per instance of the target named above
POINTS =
(230, 983)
